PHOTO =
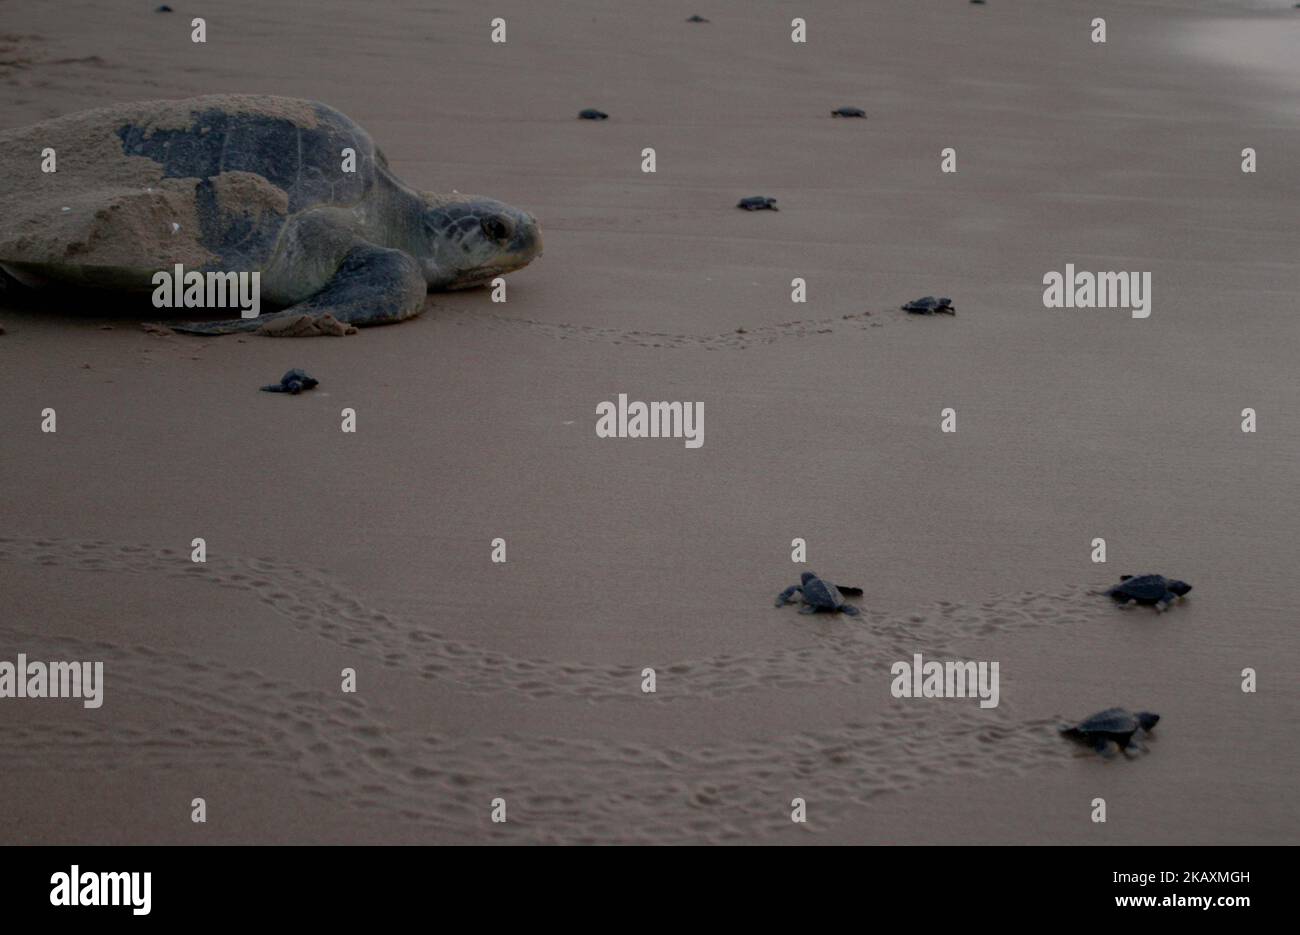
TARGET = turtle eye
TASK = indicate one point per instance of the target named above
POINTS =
(497, 228)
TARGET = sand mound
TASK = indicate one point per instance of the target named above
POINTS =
(104, 208)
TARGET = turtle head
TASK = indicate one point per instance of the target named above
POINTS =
(1179, 587)
(465, 240)
(1147, 719)
(806, 577)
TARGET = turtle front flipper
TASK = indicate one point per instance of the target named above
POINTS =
(848, 592)
(1105, 746)
(1136, 745)
(784, 597)
(234, 325)
(372, 286)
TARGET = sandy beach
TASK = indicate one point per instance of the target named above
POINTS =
(522, 680)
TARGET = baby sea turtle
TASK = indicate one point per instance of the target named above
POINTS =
(1156, 590)
(696, 18)
(929, 305)
(848, 112)
(1112, 730)
(291, 190)
(819, 594)
(294, 381)
(757, 203)
(592, 114)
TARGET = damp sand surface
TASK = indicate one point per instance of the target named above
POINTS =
(370, 551)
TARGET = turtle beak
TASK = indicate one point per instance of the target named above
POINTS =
(526, 245)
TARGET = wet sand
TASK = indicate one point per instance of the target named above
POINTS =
(476, 421)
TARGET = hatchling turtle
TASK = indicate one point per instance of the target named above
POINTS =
(1112, 730)
(592, 114)
(294, 381)
(819, 594)
(848, 112)
(757, 203)
(1156, 590)
(696, 18)
(929, 305)
(289, 189)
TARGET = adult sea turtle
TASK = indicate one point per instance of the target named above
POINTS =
(226, 184)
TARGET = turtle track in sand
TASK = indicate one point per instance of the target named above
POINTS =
(21, 52)
(207, 716)
(28, 65)
(312, 602)
(737, 340)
